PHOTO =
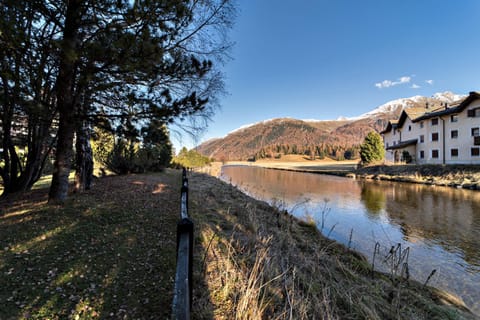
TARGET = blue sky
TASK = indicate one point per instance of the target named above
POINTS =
(321, 59)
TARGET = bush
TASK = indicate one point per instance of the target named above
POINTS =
(406, 156)
(124, 158)
(121, 159)
(190, 159)
(124, 153)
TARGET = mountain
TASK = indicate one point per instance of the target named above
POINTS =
(326, 137)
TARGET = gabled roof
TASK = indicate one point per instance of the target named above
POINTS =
(403, 144)
(421, 113)
(392, 124)
(452, 110)
(415, 113)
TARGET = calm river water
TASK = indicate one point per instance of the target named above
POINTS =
(440, 225)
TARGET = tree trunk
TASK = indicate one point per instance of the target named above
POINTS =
(19, 176)
(63, 160)
(66, 104)
(83, 159)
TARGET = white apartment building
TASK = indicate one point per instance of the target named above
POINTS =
(436, 135)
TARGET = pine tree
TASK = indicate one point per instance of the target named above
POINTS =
(372, 149)
(79, 61)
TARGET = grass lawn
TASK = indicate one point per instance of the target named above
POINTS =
(107, 253)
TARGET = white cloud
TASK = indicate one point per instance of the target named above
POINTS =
(430, 82)
(384, 84)
(390, 83)
(415, 86)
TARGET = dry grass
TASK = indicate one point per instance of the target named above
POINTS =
(256, 262)
(464, 176)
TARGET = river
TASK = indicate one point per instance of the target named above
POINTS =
(439, 225)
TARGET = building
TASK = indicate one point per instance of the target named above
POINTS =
(436, 134)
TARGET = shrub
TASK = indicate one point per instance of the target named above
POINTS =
(190, 159)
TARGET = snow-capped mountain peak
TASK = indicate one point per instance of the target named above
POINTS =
(448, 96)
(403, 103)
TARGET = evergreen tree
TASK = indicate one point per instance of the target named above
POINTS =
(372, 149)
(27, 100)
(75, 61)
(156, 148)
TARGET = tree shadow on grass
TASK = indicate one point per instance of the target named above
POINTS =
(109, 254)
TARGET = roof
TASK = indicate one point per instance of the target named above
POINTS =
(392, 124)
(403, 144)
(452, 110)
(415, 113)
(421, 113)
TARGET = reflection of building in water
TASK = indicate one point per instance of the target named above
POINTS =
(448, 217)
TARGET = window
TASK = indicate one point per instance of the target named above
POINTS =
(435, 136)
(454, 134)
(434, 121)
(409, 128)
(475, 152)
(387, 144)
(421, 125)
(473, 113)
(454, 152)
(435, 154)
(422, 154)
(475, 132)
(454, 118)
(422, 138)
(476, 141)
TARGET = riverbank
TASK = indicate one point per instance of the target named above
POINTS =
(260, 262)
(298, 164)
(109, 253)
(456, 176)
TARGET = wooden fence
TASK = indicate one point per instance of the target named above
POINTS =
(182, 296)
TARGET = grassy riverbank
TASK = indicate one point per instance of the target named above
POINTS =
(458, 176)
(110, 253)
(290, 163)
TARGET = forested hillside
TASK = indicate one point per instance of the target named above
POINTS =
(337, 139)
(277, 137)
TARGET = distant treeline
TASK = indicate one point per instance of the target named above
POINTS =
(314, 151)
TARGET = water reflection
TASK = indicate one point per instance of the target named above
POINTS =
(444, 216)
(441, 225)
(374, 200)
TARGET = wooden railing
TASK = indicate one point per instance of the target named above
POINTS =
(182, 295)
